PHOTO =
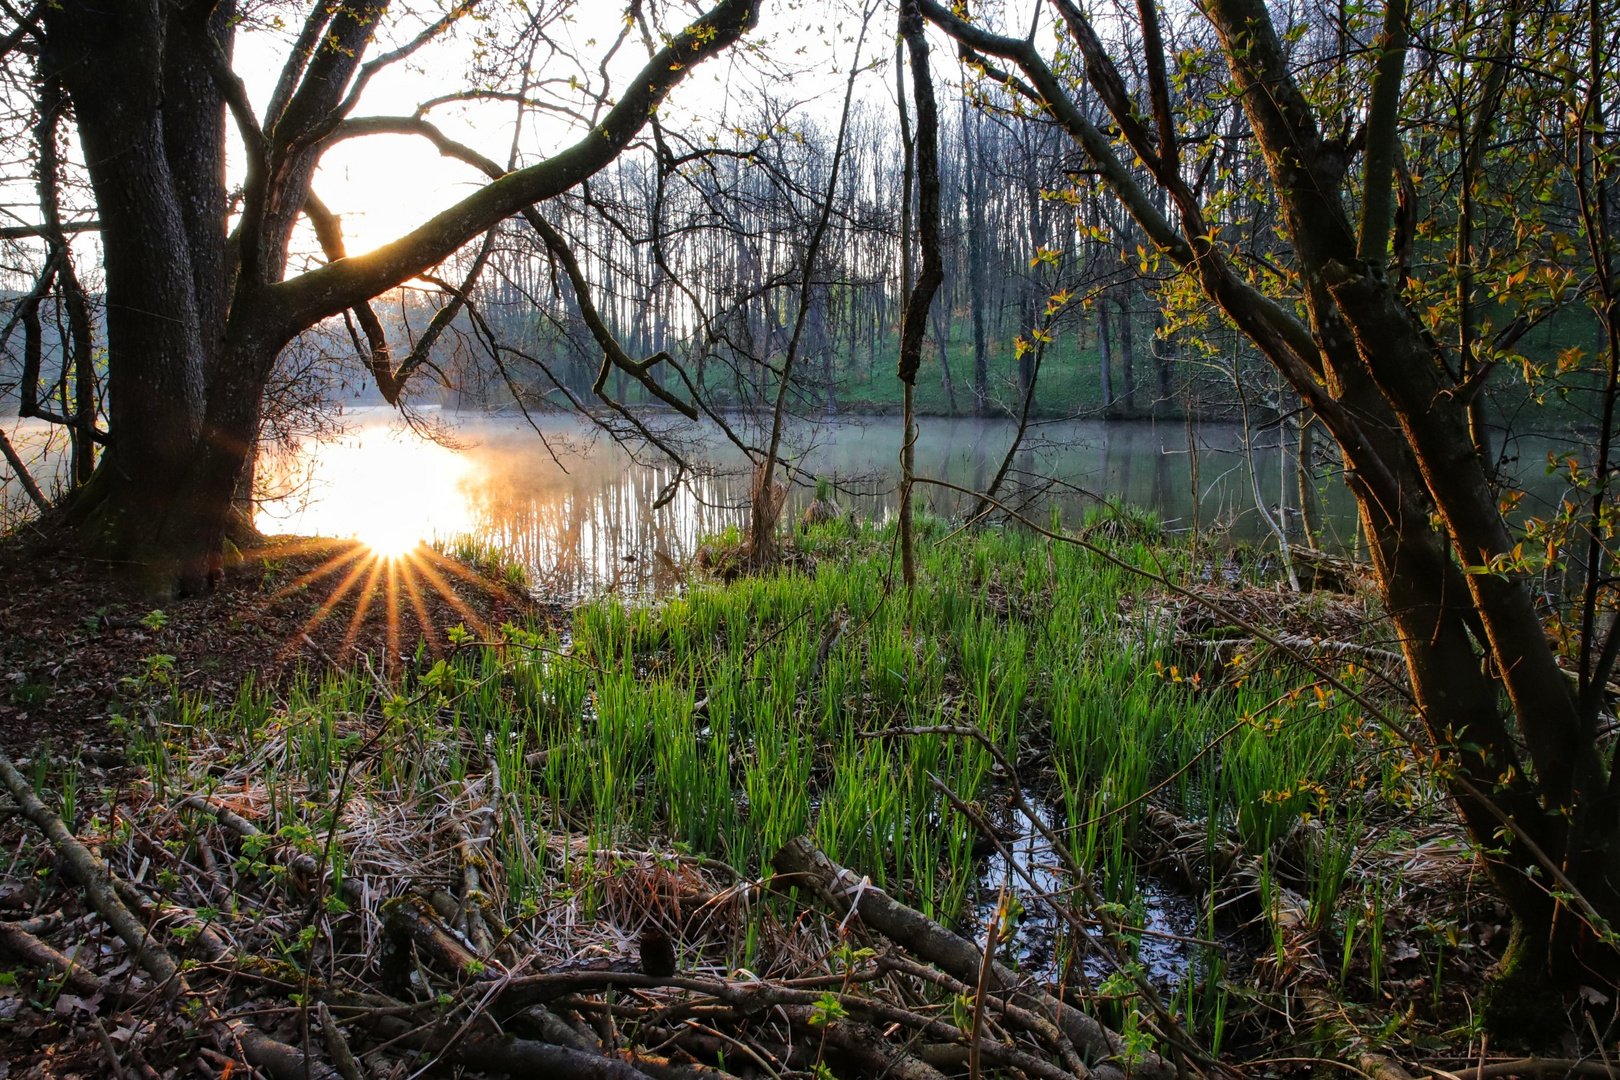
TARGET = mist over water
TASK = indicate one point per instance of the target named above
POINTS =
(577, 511)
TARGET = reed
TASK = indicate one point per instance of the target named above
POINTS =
(732, 717)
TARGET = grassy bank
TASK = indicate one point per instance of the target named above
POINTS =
(605, 761)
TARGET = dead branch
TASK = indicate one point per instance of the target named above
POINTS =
(801, 863)
(20, 471)
(25, 946)
(1538, 1067)
(490, 1052)
(302, 862)
(277, 1059)
(337, 1046)
(93, 874)
(274, 1058)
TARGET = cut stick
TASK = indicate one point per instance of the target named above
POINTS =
(25, 946)
(800, 862)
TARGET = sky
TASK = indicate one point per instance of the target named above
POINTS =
(384, 186)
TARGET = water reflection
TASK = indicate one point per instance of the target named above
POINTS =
(382, 485)
(1166, 941)
(580, 515)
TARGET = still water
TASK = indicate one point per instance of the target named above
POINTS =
(578, 512)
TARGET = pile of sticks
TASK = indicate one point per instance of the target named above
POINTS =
(876, 988)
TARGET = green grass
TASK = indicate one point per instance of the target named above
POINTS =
(706, 717)
(731, 718)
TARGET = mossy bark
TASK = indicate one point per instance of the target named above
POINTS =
(1522, 1002)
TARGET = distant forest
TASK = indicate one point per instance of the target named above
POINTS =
(705, 262)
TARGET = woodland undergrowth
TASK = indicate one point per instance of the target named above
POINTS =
(798, 823)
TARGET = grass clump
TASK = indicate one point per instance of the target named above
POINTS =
(727, 719)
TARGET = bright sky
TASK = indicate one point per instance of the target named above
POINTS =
(385, 186)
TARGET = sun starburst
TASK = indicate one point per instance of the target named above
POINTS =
(386, 581)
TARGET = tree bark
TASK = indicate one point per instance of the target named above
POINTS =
(108, 57)
(915, 323)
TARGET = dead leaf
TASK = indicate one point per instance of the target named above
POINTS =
(68, 1004)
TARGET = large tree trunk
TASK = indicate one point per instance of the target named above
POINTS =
(201, 519)
(108, 58)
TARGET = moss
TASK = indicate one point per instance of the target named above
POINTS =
(1521, 1004)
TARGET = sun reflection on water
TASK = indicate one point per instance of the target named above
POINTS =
(582, 523)
(578, 524)
(390, 490)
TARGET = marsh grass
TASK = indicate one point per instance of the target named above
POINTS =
(731, 717)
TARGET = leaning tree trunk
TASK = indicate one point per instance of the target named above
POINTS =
(1395, 415)
(1544, 816)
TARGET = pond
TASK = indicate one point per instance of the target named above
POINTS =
(578, 513)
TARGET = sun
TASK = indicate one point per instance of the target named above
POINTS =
(389, 490)
(391, 540)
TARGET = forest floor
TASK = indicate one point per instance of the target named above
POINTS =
(759, 828)
(75, 638)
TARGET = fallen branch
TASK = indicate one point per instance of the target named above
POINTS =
(274, 1058)
(21, 472)
(25, 946)
(470, 849)
(800, 862)
(337, 1046)
(491, 1052)
(1535, 1067)
(411, 925)
(1030, 1021)
(302, 862)
(93, 874)
(863, 1047)
(107, 1047)
(278, 1060)
(206, 941)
